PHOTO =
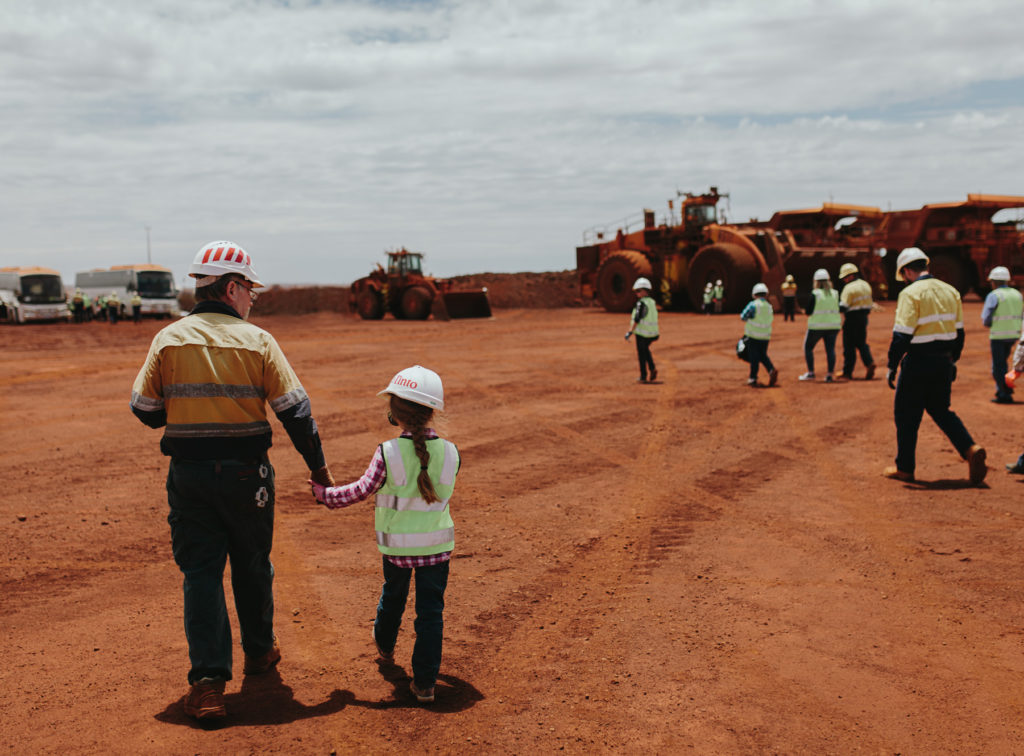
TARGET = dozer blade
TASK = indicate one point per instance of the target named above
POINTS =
(462, 304)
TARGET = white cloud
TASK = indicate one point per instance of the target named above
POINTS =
(486, 134)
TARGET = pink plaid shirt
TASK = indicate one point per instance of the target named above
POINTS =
(339, 497)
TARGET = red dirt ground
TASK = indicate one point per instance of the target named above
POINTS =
(691, 566)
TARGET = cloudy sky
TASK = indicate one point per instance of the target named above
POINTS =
(487, 135)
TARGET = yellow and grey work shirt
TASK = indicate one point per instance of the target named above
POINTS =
(208, 378)
(788, 289)
(856, 296)
(929, 321)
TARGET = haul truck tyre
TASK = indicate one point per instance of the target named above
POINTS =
(615, 279)
(948, 267)
(734, 266)
(416, 302)
(369, 305)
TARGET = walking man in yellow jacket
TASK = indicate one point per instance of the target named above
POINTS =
(927, 339)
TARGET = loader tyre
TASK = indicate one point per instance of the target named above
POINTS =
(734, 266)
(615, 279)
(416, 303)
(369, 305)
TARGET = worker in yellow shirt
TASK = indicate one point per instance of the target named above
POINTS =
(927, 339)
(855, 302)
(789, 299)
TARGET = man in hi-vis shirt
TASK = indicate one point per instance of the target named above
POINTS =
(928, 337)
(207, 381)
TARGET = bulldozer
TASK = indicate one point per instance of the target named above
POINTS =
(403, 290)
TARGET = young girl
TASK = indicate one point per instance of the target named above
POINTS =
(413, 476)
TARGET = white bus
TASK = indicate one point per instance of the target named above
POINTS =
(32, 293)
(154, 284)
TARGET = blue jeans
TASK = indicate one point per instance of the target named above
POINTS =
(431, 583)
(223, 510)
(1001, 351)
(925, 385)
(813, 337)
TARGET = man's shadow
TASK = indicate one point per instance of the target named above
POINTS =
(262, 700)
(942, 484)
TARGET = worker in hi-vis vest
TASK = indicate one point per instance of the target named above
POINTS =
(757, 332)
(414, 478)
(789, 299)
(644, 323)
(1004, 308)
(823, 323)
(927, 340)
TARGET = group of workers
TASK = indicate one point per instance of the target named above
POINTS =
(713, 298)
(927, 341)
(106, 307)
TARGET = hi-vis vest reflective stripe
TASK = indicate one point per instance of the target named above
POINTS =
(826, 311)
(857, 295)
(760, 326)
(405, 523)
(1006, 319)
(929, 310)
(648, 325)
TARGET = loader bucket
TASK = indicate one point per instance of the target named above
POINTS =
(462, 304)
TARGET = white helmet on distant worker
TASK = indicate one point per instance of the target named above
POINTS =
(847, 269)
(718, 282)
(999, 273)
(220, 258)
(907, 256)
(419, 385)
(642, 283)
(822, 275)
(759, 288)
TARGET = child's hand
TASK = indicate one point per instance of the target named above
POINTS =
(319, 492)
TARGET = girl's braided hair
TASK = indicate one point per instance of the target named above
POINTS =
(415, 418)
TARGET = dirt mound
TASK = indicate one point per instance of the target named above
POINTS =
(505, 290)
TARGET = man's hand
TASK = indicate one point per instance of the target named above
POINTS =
(891, 378)
(628, 334)
(322, 476)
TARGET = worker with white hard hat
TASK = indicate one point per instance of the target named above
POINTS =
(757, 333)
(113, 305)
(718, 295)
(644, 323)
(207, 380)
(413, 477)
(855, 302)
(927, 340)
(789, 298)
(823, 323)
(707, 299)
(1002, 313)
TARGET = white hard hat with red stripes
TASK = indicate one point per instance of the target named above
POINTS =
(220, 258)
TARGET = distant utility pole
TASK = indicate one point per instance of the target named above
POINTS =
(149, 255)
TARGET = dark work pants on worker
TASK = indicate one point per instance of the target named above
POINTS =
(924, 385)
(222, 510)
(855, 339)
(643, 353)
(1001, 351)
(757, 353)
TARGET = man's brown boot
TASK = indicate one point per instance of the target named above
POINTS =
(205, 699)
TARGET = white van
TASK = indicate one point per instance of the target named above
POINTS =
(154, 284)
(32, 293)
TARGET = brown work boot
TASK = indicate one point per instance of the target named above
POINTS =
(870, 374)
(257, 665)
(205, 699)
(897, 474)
(976, 464)
(773, 377)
